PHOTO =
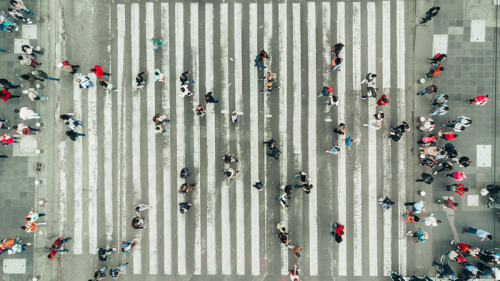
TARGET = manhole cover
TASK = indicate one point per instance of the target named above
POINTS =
(38, 167)
(28, 144)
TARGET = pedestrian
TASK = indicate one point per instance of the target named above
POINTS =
(6, 23)
(140, 80)
(338, 231)
(282, 237)
(184, 80)
(7, 139)
(410, 217)
(72, 123)
(341, 129)
(19, 5)
(376, 125)
(67, 67)
(263, 54)
(103, 253)
(158, 76)
(379, 116)
(479, 100)
(43, 75)
(107, 86)
(210, 99)
(385, 202)
(141, 207)
(457, 128)
(2, 125)
(383, 100)
(430, 221)
(369, 79)
(3, 27)
(138, 223)
(184, 207)
(438, 58)
(457, 175)
(426, 178)
(282, 201)
(73, 135)
(230, 173)
(117, 271)
(446, 167)
(54, 252)
(326, 92)
(7, 85)
(462, 120)
(85, 82)
(427, 125)
(334, 100)
(428, 162)
(58, 243)
(335, 49)
(336, 63)
(16, 249)
(269, 87)
(200, 111)
(99, 72)
(493, 273)
(270, 143)
(127, 246)
(185, 91)
(371, 92)
(23, 129)
(234, 117)
(335, 149)
(160, 119)
(348, 141)
(417, 207)
(31, 226)
(287, 188)
(157, 42)
(295, 250)
(5, 95)
(448, 203)
(442, 110)
(28, 61)
(294, 273)
(8, 242)
(270, 76)
(185, 188)
(30, 50)
(479, 232)
(446, 135)
(440, 100)
(303, 177)
(457, 188)
(185, 173)
(275, 152)
(305, 187)
(395, 136)
(259, 63)
(418, 237)
(434, 11)
(434, 151)
(432, 89)
(100, 273)
(229, 158)
(434, 71)
(464, 161)
(18, 16)
(259, 185)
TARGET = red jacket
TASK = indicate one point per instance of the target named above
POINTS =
(380, 102)
(6, 93)
(448, 136)
(52, 254)
(460, 189)
(338, 229)
(65, 62)
(98, 71)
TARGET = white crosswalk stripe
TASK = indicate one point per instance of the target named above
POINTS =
(227, 229)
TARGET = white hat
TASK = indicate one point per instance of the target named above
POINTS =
(25, 91)
(59, 65)
(10, 252)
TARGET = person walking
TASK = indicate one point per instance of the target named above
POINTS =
(23, 129)
(341, 129)
(376, 125)
(7, 139)
(32, 216)
(98, 71)
(446, 135)
(440, 100)
(141, 207)
(369, 79)
(464, 161)
(379, 116)
(31, 226)
(85, 82)
(348, 141)
(426, 178)
(200, 110)
(338, 231)
(287, 189)
(457, 128)
(432, 89)
(335, 149)
(19, 5)
(117, 271)
(72, 123)
(157, 42)
(185, 91)
(106, 85)
(303, 177)
(259, 62)
(275, 152)
(295, 250)
(127, 246)
(417, 207)
(336, 49)
(140, 80)
(18, 16)
(305, 187)
(427, 125)
(158, 76)
(446, 167)
(185, 188)
(457, 188)
(294, 273)
(16, 249)
(27, 60)
(448, 203)
(5, 95)
(160, 119)
(67, 67)
(30, 50)
(100, 273)
(234, 117)
(434, 11)
(434, 71)
(58, 243)
(54, 252)
(438, 58)
(479, 232)
(430, 221)
(282, 200)
(457, 175)
(229, 158)
(184, 80)
(371, 92)
(442, 110)
(383, 100)
(103, 253)
(43, 75)
(184, 207)
(138, 223)
(73, 135)
(4, 83)
(258, 185)
(334, 100)
(230, 173)
(479, 100)
(326, 92)
(462, 120)
(336, 63)
(210, 99)
(270, 143)
(263, 54)
(185, 173)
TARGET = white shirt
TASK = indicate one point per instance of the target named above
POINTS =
(431, 221)
(464, 121)
(26, 113)
(186, 91)
(84, 81)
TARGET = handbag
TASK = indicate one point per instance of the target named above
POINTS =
(26, 131)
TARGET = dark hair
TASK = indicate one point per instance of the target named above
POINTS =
(455, 204)
(466, 189)
(53, 246)
(25, 76)
(438, 221)
(49, 256)
(486, 96)
(374, 75)
(137, 208)
(260, 58)
(182, 89)
(335, 98)
(23, 227)
(433, 123)
(445, 97)
(351, 140)
(28, 218)
(455, 136)
(20, 57)
(438, 8)
(443, 56)
(489, 237)
(10, 10)
(228, 173)
(341, 232)
(391, 203)
(445, 108)
(384, 99)
(382, 115)
(14, 127)
(434, 87)
(93, 69)
(417, 219)
(16, 110)
(470, 121)
(156, 73)
(441, 68)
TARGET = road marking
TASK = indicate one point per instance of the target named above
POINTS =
(341, 175)
(63, 185)
(211, 200)
(311, 143)
(136, 129)
(92, 150)
(357, 196)
(372, 145)
(283, 116)
(167, 206)
(386, 75)
(240, 193)
(78, 185)
(297, 91)
(401, 55)
(151, 96)
(254, 132)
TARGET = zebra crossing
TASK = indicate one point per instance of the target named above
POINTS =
(121, 162)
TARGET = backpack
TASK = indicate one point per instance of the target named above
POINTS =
(449, 147)
(437, 55)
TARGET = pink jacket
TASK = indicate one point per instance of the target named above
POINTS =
(459, 176)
